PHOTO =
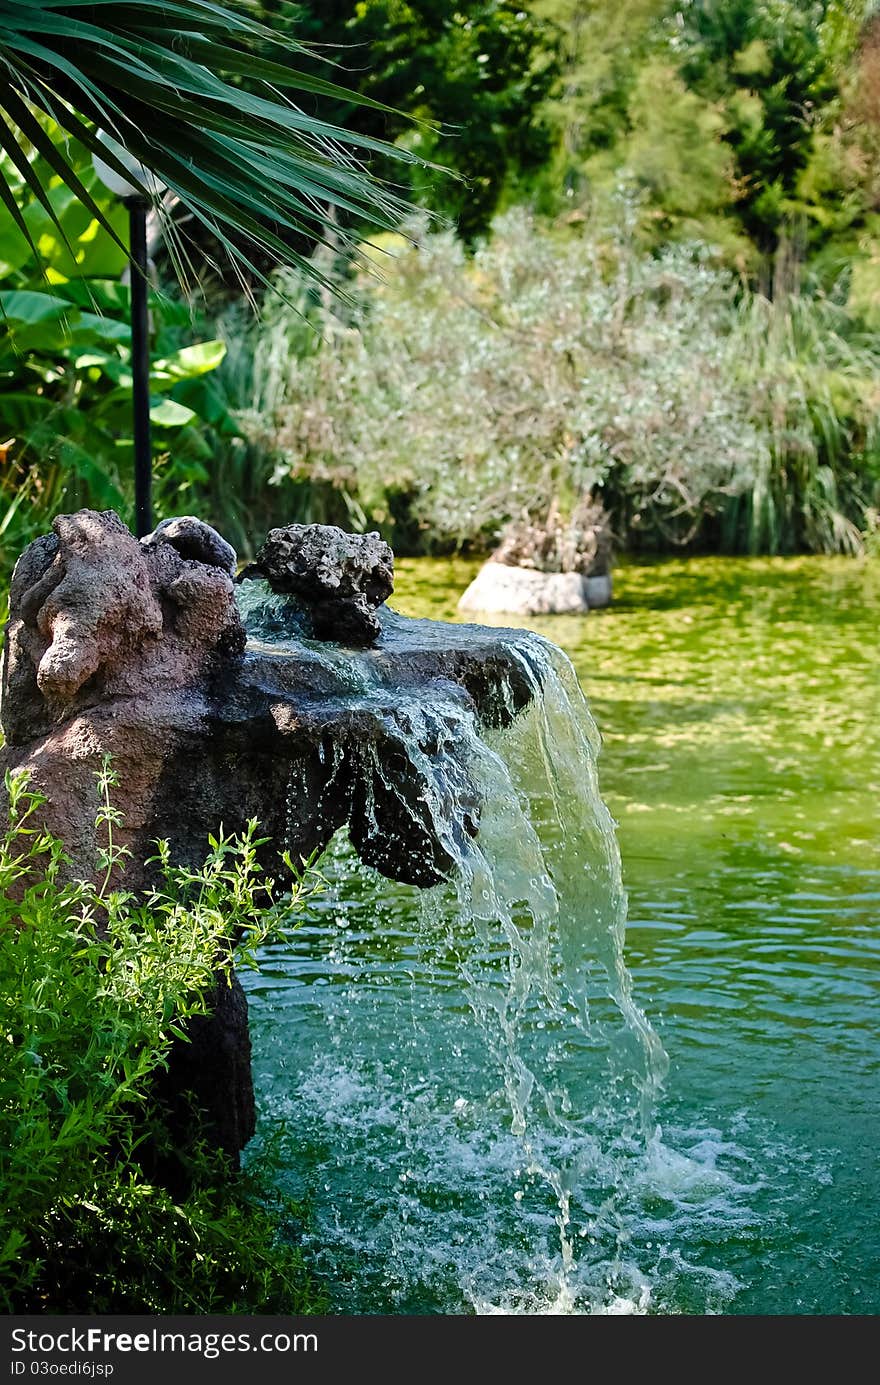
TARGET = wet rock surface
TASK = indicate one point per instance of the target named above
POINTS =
(139, 650)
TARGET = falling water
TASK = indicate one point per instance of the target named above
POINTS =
(467, 1093)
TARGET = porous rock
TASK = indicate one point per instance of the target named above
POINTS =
(340, 578)
(95, 615)
(196, 540)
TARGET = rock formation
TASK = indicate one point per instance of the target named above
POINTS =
(339, 578)
(139, 649)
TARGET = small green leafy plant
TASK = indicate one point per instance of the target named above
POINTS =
(95, 985)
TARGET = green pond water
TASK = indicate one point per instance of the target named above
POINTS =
(738, 703)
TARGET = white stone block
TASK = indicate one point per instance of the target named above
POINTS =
(519, 591)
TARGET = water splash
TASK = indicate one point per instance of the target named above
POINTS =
(546, 980)
(475, 1122)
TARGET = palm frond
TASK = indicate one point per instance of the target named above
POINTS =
(159, 78)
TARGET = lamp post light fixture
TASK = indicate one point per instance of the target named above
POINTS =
(136, 197)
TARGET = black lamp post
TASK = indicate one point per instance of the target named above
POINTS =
(136, 199)
(140, 365)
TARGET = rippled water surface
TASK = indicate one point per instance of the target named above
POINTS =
(738, 703)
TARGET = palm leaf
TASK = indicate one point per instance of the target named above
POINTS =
(159, 78)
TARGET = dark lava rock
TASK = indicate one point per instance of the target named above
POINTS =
(341, 578)
(195, 540)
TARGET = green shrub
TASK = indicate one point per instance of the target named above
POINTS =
(815, 374)
(95, 983)
(544, 367)
(556, 363)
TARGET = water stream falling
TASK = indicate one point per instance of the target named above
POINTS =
(458, 1082)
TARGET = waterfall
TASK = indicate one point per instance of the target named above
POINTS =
(545, 978)
(462, 1085)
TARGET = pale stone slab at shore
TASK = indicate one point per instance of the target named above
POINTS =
(499, 589)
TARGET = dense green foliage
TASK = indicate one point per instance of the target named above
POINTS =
(96, 984)
(468, 391)
(65, 348)
(746, 123)
(735, 142)
(771, 67)
(464, 84)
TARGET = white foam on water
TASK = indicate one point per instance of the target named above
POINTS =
(434, 1207)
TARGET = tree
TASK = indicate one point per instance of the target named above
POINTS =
(735, 121)
(766, 62)
(458, 82)
(601, 49)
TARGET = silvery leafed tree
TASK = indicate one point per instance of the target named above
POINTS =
(162, 79)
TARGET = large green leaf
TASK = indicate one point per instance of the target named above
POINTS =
(48, 324)
(167, 413)
(82, 463)
(102, 295)
(30, 306)
(100, 328)
(33, 321)
(20, 411)
(190, 361)
(210, 404)
(14, 249)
